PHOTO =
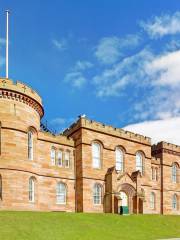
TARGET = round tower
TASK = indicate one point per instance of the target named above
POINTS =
(20, 106)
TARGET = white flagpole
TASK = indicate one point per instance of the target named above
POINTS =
(7, 43)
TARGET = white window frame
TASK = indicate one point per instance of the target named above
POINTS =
(61, 194)
(31, 190)
(119, 154)
(30, 145)
(53, 156)
(96, 155)
(97, 194)
(67, 159)
(139, 162)
(174, 173)
(59, 158)
(175, 202)
(152, 200)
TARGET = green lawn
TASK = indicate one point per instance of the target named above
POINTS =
(73, 226)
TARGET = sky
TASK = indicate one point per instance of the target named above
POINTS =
(117, 61)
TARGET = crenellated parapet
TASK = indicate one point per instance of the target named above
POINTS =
(164, 147)
(83, 122)
(20, 92)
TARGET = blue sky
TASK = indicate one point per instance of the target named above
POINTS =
(115, 61)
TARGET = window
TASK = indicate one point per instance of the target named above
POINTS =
(97, 194)
(119, 159)
(53, 156)
(96, 155)
(0, 187)
(174, 173)
(139, 162)
(31, 189)
(154, 174)
(61, 193)
(67, 159)
(152, 200)
(30, 145)
(59, 158)
(174, 202)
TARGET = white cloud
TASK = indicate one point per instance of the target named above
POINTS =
(113, 80)
(82, 65)
(159, 130)
(165, 69)
(60, 44)
(163, 25)
(109, 49)
(75, 78)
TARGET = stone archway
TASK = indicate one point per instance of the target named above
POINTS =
(128, 191)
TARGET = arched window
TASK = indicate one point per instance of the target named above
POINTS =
(30, 145)
(59, 158)
(0, 187)
(152, 200)
(139, 162)
(174, 173)
(61, 193)
(174, 202)
(53, 156)
(67, 159)
(97, 194)
(119, 160)
(96, 155)
(32, 189)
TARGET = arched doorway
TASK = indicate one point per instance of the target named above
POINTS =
(125, 197)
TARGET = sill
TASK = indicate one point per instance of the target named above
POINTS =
(61, 204)
(32, 202)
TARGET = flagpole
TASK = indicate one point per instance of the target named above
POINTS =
(7, 43)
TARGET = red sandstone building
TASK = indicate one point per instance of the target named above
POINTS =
(90, 167)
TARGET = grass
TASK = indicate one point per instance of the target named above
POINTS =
(75, 226)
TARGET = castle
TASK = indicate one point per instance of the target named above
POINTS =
(90, 167)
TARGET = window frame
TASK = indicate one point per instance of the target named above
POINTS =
(174, 173)
(121, 161)
(60, 194)
(30, 145)
(97, 195)
(95, 158)
(67, 160)
(140, 167)
(59, 152)
(53, 156)
(32, 190)
(174, 202)
(152, 200)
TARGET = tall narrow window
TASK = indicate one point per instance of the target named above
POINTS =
(59, 158)
(53, 156)
(30, 145)
(174, 202)
(139, 162)
(119, 159)
(155, 174)
(0, 187)
(96, 155)
(67, 159)
(174, 173)
(152, 173)
(61, 193)
(32, 189)
(97, 194)
(152, 200)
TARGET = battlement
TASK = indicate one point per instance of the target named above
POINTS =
(56, 139)
(100, 127)
(166, 145)
(19, 87)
